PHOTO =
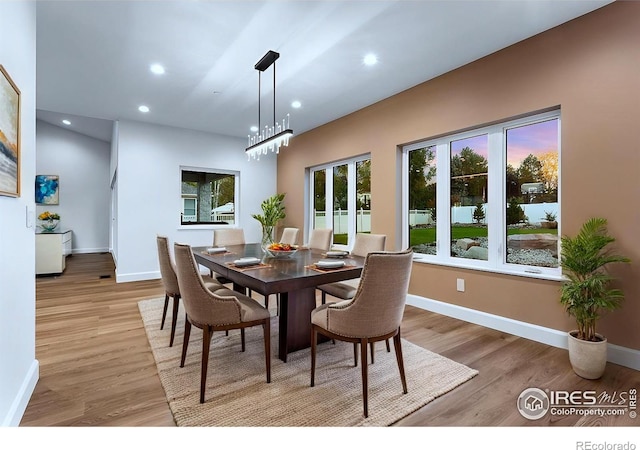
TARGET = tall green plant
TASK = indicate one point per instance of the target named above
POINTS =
(272, 211)
(586, 293)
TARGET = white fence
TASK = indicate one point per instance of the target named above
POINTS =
(459, 214)
(341, 221)
(535, 213)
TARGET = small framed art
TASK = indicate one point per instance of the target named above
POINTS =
(9, 136)
(47, 187)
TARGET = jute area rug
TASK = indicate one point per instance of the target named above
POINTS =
(237, 393)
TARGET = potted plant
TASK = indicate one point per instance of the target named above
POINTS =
(549, 220)
(586, 293)
(272, 213)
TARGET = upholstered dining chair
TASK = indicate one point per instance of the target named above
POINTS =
(320, 239)
(363, 244)
(373, 314)
(289, 236)
(223, 237)
(170, 283)
(221, 310)
(345, 290)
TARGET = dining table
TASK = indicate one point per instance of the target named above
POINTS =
(294, 278)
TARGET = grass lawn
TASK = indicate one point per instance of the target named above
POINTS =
(428, 235)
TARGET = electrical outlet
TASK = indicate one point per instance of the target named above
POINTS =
(460, 284)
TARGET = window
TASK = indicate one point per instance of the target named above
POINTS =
(341, 198)
(487, 198)
(208, 197)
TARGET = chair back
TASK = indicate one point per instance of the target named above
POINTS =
(167, 268)
(378, 305)
(289, 236)
(321, 238)
(367, 243)
(201, 305)
(228, 236)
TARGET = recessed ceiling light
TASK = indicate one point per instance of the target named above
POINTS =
(370, 59)
(66, 122)
(143, 108)
(157, 69)
(296, 104)
(254, 128)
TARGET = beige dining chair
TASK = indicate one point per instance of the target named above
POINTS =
(373, 314)
(223, 237)
(345, 290)
(363, 244)
(320, 239)
(289, 236)
(222, 310)
(170, 283)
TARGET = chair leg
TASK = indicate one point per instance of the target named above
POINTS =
(388, 346)
(164, 310)
(206, 343)
(372, 346)
(185, 341)
(266, 301)
(314, 335)
(324, 297)
(267, 347)
(242, 338)
(398, 346)
(355, 354)
(365, 376)
(174, 319)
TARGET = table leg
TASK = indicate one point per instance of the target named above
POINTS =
(295, 321)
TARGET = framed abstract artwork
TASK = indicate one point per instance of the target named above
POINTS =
(47, 187)
(9, 136)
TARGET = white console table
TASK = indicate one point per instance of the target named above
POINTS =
(52, 248)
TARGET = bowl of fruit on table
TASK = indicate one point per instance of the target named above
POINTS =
(278, 250)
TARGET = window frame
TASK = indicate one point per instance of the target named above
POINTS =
(495, 216)
(236, 196)
(351, 195)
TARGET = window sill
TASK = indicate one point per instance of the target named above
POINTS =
(519, 272)
(204, 226)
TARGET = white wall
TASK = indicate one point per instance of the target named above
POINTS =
(148, 187)
(18, 366)
(82, 163)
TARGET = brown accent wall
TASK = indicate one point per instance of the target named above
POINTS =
(590, 67)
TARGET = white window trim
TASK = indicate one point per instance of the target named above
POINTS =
(497, 192)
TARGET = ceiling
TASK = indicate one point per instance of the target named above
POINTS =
(93, 57)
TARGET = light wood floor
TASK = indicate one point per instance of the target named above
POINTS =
(97, 369)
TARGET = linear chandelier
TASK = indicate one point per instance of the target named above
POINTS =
(269, 138)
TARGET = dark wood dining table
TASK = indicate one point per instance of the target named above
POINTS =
(295, 278)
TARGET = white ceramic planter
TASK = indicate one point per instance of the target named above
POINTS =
(587, 358)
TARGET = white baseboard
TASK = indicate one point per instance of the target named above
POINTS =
(616, 354)
(142, 276)
(21, 400)
(139, 276)
(78, 251)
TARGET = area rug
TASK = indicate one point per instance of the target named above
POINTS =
(237, 393)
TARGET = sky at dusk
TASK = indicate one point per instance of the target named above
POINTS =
(533, 139)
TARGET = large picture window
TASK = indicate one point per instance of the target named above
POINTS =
(341, 198)
(487, 198)
(208, 197)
